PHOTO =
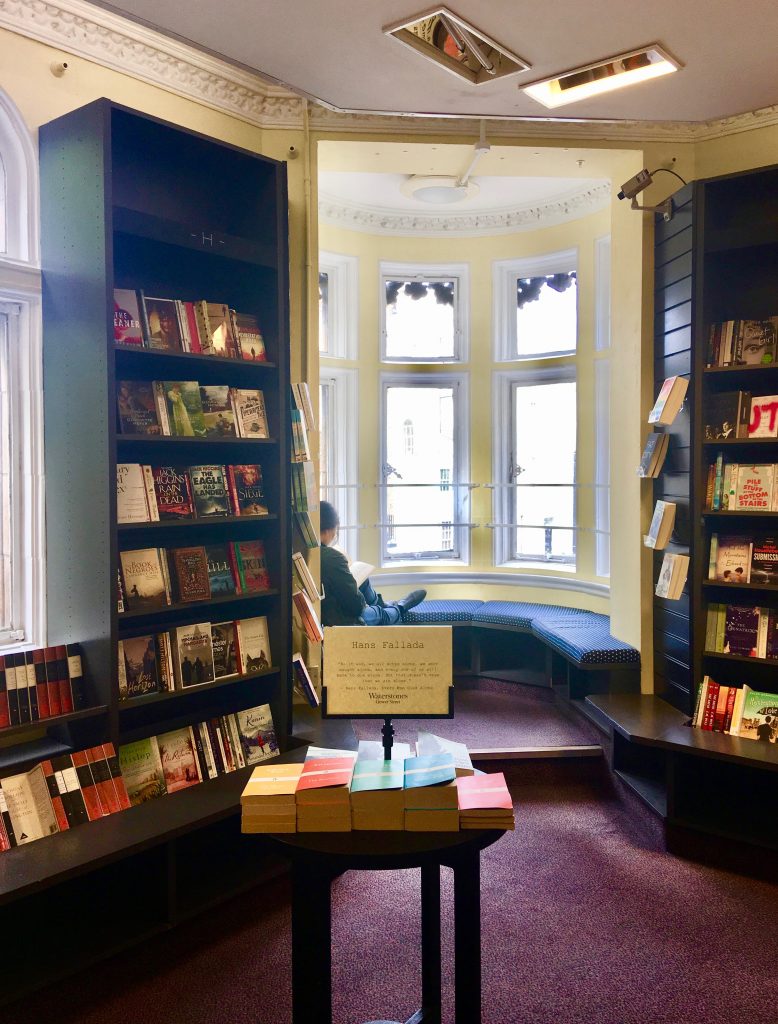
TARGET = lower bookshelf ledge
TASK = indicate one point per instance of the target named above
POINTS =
(652, 792)
(23, 755)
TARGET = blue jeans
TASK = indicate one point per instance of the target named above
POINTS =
(376, 613)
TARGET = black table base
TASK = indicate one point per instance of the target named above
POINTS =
(318, 858)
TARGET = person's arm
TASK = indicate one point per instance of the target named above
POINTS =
(339, 585)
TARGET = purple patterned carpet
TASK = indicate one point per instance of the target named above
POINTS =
(493, 713)
(585, 921)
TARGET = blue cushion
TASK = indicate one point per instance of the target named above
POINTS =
(442, 611)
(586, 642)
(521, 613)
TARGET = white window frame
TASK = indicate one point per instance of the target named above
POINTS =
(503, 431)
(602, 292)
(459, 273)
(20, 301)
(459, 382)
(342, 386)
(505, 274)
(342, 304)
(602, 494)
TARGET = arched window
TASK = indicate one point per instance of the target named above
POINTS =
(22, 579)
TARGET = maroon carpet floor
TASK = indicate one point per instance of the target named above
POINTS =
(585, 921)
(494, 713)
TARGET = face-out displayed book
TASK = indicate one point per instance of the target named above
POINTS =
(745, 630)
(741, 488)
(190, 574)
(209, 489)
(193, 654)
(763, 421)
(144, 574)
(137, 408)
(669, 400)
(654, 454)
(249, 565)
(737, 710)
(730, 559)
(672, 576)
(218, 414)
(256, 734)
(250, 414)
(178, 757)
(743, 342)
(727, 415)
(662, 523)
(430, 794)
(184, 408)
(139, 673)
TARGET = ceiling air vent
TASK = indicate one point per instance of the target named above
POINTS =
(443, 37)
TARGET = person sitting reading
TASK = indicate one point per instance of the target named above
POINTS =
(344, 603)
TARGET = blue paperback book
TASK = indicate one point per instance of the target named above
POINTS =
(429, 770)
(219, 570)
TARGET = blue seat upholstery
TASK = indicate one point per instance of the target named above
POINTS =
(430, 612)
(586, 641)
(521, 613)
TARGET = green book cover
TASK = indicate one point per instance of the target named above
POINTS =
(142, 770)
(373, 775)
(185, 408)
(759, 720)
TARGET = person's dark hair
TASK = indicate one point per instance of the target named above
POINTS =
(328, 517)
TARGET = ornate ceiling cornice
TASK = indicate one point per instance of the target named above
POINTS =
(116, 42)
(507, 220)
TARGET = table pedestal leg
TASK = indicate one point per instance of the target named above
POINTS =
(430, 943)
(467, 938)
(311, 946)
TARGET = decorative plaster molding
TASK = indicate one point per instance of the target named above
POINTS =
(122, 45)
(375, 221)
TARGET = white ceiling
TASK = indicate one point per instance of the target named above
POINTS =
(336, 52)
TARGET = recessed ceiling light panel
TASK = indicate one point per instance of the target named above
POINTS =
(438, 189)
(604, 76)
(456, 45)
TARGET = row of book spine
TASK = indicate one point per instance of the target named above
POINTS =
(743, 342)
(745, 630)
(739, 487)
(61, 793)
(40, 684)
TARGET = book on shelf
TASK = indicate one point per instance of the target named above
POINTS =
(750, 632)
(669, 400)
(251, 344)
(741, 630)
(764, 561)
(173, 493)
(193, 654)
(672, 576)
(190, 572)
(29, 806)
(132, 501)
(754, 488)
(183, 407)
(737, 710)
(138, 669)
(137, 407)
(226, 661)
(88, 785)
(739, 487)
(218, 414)
(730, 559)
(306, 529)
(145, 577)
(220, 573)
(250, 415)
(301, 451)
(246, 490)
(303, 680)
(302, 577)
(127, 325)
(758, 716)
(727, 415)
(101, 775)
(177, 755)
(209, 490)
(654, 453)
(301, 396)
(253, 642)
(56, 796)
(162, 327)
(306, 613)
(190, 333)
(662, 523)
(142, 770)
(764, 416)
(250, 565)
(257, 734)
(743, 342)
(216, 329)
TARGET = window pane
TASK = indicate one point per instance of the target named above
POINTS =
(325, 468)
(5, 479)
(420, 450)
(420, 319)
(545, 424)
(324, 312)
(546, 314)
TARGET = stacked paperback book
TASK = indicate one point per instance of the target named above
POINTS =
(433, 790)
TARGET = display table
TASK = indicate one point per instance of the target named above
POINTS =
(316, 858)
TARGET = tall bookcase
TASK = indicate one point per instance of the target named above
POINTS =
(129, 201)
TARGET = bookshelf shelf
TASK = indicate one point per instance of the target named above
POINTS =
(728, 442)
(222, 442)
(741, 658)
(55, 720)
(175, 364)
(197, 606)
(22, 755)
(194, 524)
(749, 588)
(126, 706)
(738, 514)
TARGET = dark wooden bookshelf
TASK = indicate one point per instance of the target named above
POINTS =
(54, 721)
(750, 588)
(132, 703)
(130, 201)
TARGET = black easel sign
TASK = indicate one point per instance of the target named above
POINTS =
(379, 672)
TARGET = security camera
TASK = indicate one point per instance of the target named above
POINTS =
(293, 152)
(58, 68)
(635, 185)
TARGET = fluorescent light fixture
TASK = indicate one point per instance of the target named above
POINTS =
(593, 79)
(454, 44)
